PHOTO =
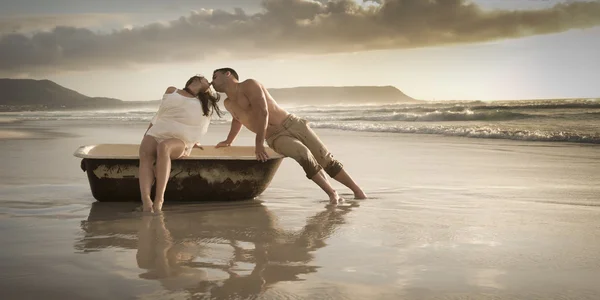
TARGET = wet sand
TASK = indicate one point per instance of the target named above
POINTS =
(14, 134)
(449, 218)
(8, 133)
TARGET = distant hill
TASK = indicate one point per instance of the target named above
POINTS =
(45, 94)
(29, 94)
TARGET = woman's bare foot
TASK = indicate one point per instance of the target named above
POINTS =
(146, 222)
(147, 205)
(158, 204)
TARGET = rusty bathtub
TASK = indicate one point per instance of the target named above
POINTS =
(212, 174)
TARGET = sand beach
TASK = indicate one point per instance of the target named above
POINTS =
(448, 218)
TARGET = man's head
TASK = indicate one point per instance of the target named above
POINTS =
(221, 77)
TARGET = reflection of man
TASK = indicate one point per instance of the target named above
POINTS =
(251, 105)
(280, 257)
(180, 251)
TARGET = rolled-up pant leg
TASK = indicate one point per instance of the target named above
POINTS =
(302, 131)
(290, 146)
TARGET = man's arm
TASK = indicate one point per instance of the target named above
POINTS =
(236, 126)
(258, 104)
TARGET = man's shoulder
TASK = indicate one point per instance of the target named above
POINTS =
(250, 82)
(251, 87)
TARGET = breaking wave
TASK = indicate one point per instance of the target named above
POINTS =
(466, 131)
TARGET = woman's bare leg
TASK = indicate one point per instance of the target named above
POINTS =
(147, 155)
(166, 151)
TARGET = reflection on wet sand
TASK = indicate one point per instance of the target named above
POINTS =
(217, 250)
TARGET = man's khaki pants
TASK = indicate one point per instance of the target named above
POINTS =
(295, 139)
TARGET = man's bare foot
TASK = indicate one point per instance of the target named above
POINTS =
(147, 205)
(360, 195)
(158, 204)
(335, 198)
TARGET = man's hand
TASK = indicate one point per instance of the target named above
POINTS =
(223, 144)
(261, 153)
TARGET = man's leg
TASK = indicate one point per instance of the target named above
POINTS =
(321, 180)
(333, 167)
(293, 148)
(346, 180)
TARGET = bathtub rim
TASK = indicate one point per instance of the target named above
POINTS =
(197, 154)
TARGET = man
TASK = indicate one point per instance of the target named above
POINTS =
(251, 105)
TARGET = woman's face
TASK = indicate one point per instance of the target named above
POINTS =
(200, 83)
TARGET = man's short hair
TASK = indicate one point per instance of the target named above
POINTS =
(230, 70)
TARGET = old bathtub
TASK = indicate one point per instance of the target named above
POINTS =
(212, 174)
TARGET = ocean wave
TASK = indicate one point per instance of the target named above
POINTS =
(442, 112)
(112, 119)
(469, 131)
(593, 113)
(466, 115)
(122, 116)
(546, 104)
(435, 116)
(454, 106)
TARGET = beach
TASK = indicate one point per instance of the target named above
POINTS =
(448, 217)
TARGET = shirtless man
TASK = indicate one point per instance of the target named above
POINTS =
(251, 105)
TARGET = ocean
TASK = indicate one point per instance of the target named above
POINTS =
(573, 120)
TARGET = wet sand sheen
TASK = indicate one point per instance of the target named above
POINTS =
(450, 218)
(249, 248)
(13, 134)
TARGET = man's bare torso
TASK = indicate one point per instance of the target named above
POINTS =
(241, 109)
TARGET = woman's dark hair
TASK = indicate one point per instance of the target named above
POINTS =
(206, 99)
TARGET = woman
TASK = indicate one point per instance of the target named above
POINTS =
(180, 122)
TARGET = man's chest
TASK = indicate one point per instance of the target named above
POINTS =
(238, 105)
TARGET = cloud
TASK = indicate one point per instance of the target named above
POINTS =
(30, 23)
(286, 27)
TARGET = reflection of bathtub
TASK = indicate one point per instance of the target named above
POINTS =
(212, 174)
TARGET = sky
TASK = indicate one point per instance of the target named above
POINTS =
(431, 50)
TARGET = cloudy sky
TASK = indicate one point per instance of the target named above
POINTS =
(444, 49)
